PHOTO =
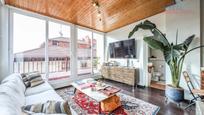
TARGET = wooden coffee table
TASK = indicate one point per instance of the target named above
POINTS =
(86, 87)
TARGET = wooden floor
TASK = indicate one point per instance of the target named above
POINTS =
(154, 96)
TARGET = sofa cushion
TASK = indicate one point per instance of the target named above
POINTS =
(50, 107)
(30, 76)
(17, 79)
(32, 79)
(36, 83)
(38, 89)
(43, 97)
(15, 91)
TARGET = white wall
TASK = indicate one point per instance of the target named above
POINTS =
(185, 16)
(4, 55)
(142, 52)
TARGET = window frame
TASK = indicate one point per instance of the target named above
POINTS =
(73, 36)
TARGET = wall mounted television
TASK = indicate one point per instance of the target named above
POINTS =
(123, 49)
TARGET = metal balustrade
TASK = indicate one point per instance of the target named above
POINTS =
(57, 67)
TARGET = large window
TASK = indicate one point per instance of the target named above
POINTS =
(59, 51)
(90, 52)
(84, 53)
(43, 45)
(28, 44)
(98, 52)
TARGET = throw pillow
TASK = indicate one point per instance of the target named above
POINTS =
(32, 79)
(23, 75)
(35, 83)
(37, 79)
(27, 84)
(50, 107)
(33, 75)
(30, 75)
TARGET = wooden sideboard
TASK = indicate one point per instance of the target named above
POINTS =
(121, 74)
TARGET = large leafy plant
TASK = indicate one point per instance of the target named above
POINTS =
(174, 53)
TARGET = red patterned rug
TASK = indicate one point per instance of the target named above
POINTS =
(91, 106)
(83, 105)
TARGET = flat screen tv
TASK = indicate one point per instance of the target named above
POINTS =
(123, 49)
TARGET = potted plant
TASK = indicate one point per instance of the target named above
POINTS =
(96, 62)
(174, 55)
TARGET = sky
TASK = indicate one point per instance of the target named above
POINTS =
(29, 32)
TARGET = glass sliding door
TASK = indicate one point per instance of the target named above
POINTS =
(84, 52)
(28, 44)
(58, 51)
(32, 51)
(97, 52)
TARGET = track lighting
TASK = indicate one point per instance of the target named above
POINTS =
(96, 4)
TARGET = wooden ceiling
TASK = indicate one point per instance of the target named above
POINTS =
(115, 13)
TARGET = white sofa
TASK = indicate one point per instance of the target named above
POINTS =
(14, 95)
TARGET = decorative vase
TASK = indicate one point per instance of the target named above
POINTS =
(174, 94)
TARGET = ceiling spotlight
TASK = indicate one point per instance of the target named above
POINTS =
(95, 3)
(99, 15)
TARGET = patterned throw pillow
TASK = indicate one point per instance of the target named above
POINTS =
(32, 79)
(23, 75)
(27, 84)
(30, 75)
(50, 107)
(35, 83)
(33, 75)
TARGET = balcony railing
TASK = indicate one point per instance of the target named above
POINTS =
(38, 64)
(57, 67)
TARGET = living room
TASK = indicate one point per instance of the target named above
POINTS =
(78, 57)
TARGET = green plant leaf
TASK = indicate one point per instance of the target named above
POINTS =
(174, 54)
(171, 54)
(179, 47)
(146, 25)
(184, 46)
(167, 57)
(154, 44)
(188, 41)
(160, 37)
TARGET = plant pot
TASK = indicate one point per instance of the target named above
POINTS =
(174, 94)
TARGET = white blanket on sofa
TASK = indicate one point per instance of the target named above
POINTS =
(14, 95)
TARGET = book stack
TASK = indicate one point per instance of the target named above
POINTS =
(85, 85)
(109, 90)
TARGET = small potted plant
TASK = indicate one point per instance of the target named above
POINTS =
(174, 55)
